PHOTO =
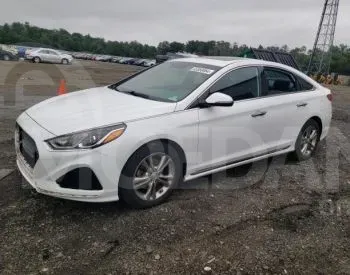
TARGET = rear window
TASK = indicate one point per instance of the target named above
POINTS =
(279, 81)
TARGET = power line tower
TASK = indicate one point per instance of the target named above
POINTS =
(321, 56)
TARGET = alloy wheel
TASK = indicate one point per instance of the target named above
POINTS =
(309, 140)
(154, 176)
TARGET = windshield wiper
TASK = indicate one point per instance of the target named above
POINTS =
(135, 94)
(129, 92)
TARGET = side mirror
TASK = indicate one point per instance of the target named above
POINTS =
(218, 99)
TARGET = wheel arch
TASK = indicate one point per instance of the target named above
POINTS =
(318, 120)
(165, 142)
(180, 151)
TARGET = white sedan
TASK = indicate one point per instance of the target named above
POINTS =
(49, 56)
(137, 139)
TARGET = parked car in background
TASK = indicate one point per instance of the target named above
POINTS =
(149, 63)
(49, 56)
(88, 56)
(139, 62)
(7, 56)
(160, 58)
(133, 61)
(121, 60)
(126, 60)
(106, 58)
(169, 56)
(116, 59)
(183, 119)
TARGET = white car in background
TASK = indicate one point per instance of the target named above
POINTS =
(49, 56)
(180, 120)
(149, 63)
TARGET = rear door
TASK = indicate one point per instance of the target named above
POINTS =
(53, 56)
(288, 106)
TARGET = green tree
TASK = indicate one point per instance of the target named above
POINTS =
(163, 47)
(26, 34)
(176, 47)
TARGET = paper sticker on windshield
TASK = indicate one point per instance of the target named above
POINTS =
(202, 70)
(173, 98)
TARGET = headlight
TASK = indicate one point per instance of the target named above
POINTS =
(87, 139)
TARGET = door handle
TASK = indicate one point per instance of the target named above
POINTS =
(303, 104)
(259, 113)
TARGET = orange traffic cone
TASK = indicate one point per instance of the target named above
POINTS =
(62, 88)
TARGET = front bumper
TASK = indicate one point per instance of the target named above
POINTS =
(52, 165)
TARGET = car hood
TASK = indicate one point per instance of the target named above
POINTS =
(92, 108)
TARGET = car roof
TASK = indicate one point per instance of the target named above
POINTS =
(223, 61)
(39, 49)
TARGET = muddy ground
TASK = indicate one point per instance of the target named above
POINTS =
(274, 217)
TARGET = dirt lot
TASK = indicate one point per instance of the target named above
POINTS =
(276, 217)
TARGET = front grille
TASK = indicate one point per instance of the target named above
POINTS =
(27, 148)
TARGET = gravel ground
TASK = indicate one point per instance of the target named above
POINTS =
(272, 217)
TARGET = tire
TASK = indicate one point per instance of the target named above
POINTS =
(65, 61)
(36, 59)
(307, 141)
(6, 57)
(151, 191)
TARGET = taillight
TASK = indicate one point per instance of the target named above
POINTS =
(330, 97)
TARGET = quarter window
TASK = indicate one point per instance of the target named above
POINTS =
(278, 82)
(305, 85)
(239, 84)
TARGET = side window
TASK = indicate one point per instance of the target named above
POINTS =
(304, 84)
(43, 51)
(239, 84)
(51, 52)
(278, 82)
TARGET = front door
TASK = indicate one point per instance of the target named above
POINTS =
(44, 55)
(232, 134)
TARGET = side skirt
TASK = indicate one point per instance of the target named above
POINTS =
(217, 169)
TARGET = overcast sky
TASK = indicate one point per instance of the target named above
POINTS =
(251, 22)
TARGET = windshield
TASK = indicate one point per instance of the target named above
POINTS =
(169, 81)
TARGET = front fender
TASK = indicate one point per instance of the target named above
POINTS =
(178, 127)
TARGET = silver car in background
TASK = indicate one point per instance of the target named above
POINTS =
(49, 55)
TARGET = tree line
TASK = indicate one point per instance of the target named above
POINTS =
(26, 34)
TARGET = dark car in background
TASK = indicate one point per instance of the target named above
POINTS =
(8, 56)
(138, 62)
(126, 60)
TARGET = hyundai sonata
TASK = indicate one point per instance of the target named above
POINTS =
(48, 55)
(180, 120)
